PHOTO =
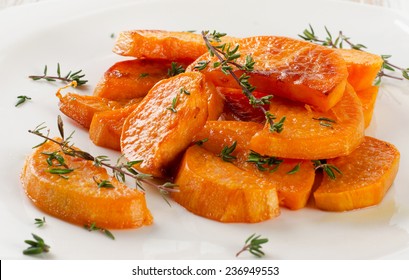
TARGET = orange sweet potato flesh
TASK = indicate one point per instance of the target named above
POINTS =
(368, 100)
(106, 127)
(293, 189)
(363, 67)
(82, 108)
(77, 199)
(132, 78)
(306, 137)
(160, 44)
(368, 173)
(289, 68)
(154, 133)
(218, 190)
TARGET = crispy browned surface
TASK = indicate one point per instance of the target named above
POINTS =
(290, 68)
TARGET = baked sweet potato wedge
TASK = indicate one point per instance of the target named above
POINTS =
(293, 188)
(164, 123)
(160, 44)
(218, 190)
(363, 67)
(81, 108)
(106, 127)
(75, 196)
(133, 78)
(367, 174)
(310, 134)
(289, 68)
(368, 99)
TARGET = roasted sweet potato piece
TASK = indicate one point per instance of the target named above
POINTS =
(165, 122)
(76, 197)
(367, 174)
(218, 190)
(289, 68)
(363, 67)
(160, 44)
(81, 108)
(106, 127)
(132, 78)
(310, 134)
(368, 100)
(293, 189)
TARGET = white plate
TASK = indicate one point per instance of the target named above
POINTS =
(77, 34)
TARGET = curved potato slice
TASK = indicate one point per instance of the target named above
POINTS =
(76, 197)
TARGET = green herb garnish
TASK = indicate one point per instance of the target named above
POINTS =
(37, 246)
(22, 99)
(254, 244)
(70, 77)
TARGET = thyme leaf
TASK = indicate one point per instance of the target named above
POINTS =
(253, 244)
(22, 99)
(264, 163)
(226, 152)
(39, 222)
(329, 169)
(37, 246)
(175, 69)
(94, 227)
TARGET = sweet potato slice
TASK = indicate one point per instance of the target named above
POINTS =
(310, 134)
(81, 108)
(368, 173)
(165, 122)
(218, 190)
(368, 100)
(293, 189)
(132, 78)
(363, 67)
(106, 127)
(160, 44)
(77, 198)
(287, 67)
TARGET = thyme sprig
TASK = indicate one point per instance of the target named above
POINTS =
(71, 76)
(327, 122)
(330, 41)
(309, 35)
(175, 69)
(330, 169)
(387, 66)
(93, 227)
(37, 246)
(226, 153)
(227, 56)
(264, 163)
(39, 222)
(120, 170)
(253, 244)
(22, 99)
